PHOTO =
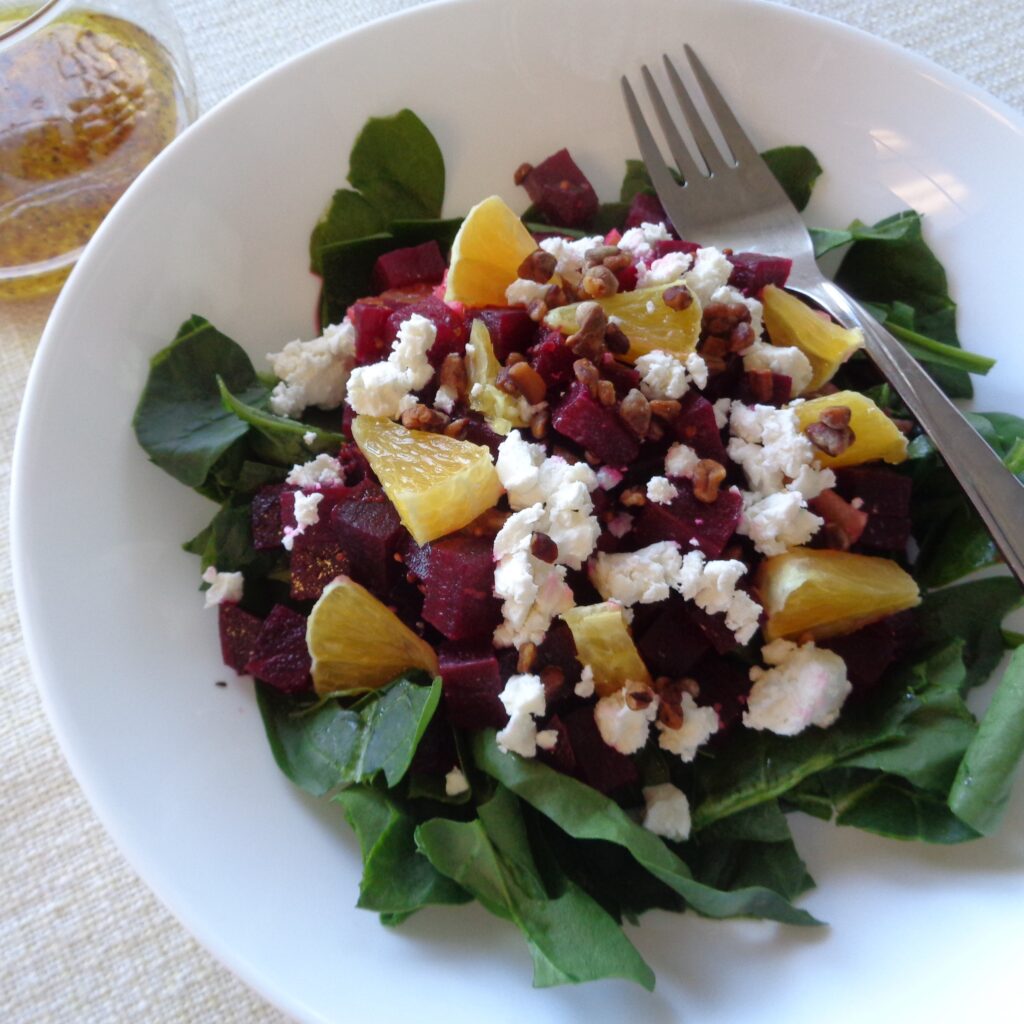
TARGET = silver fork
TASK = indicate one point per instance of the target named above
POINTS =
(733, 199)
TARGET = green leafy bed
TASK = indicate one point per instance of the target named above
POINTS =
(563, 863)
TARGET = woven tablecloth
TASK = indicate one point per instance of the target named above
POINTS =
(81, 938)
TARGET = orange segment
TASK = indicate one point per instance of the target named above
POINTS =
(357, 643)
(603, 642)
(500, 409)
(875, 435)
(438, 484)
(830, 593)
(645, 319)
(791, 322)
(486, 254)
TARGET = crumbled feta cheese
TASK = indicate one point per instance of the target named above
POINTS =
(778, 521)
(637, 577)
(517, 530)
(523, 700)
(784, 359)
(309, 438)
(313, 372)
(681, 460)
(225, 587)
(609, 477)
(660, 491)
(638, 241)
(455, 782)
(445, 399)
(522, 292)
(699, 725)
(811, 481)
(323, 471)
(306, 514)
(384, 389)
(547, 739)
(803, 686)
(585, 687)
(662, 375)
(667, 812)
(712, 587)
(664, 270)
(570, 254)
(722, 409)
(619, 725)
(518, 468)
(711, 270)
(729, 294)
(533, 593)
(697, 369)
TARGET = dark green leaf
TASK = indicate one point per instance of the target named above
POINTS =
(636, 180)
(982, 787)
(349, 216)
(797, 169)
(348, 273)
(397, 879)
(180, 421)
(891, 230)
(328, 745)
(586, 814)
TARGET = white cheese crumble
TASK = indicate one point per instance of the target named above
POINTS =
(533, 593)
(711, 271)
(667, 812)
(609, 477)
(313, 372)
(522, 292)
(523, 699)
(712, 587)
(445, 399)
(225, 587)
(660, 491)
(306, 514)
(570, 254)
(384, 389)
(585, 687)
(323, 471)
(621, 726)
(664, 270)
(778, 521)
(681, 460)
(803, 686)
(309, 438)
(722, 408)
(638, 241)
(699, 725)
(784, 359)
(455, 782)
(666, 375)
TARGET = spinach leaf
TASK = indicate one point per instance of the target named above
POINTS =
(329, 745)
(892, 230)
(571, 939)
(276, 438)
(397, 879)
(635, 181)
(586, 814)
(796, 169)
(180, 421)
(981, 789)
(349, 216)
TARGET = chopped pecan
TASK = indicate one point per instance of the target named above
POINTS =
(677, 297)
(591, 322)
(530, 383)
(553, 679)
(666, 408)
(539, 423)
(633, 497)
(606, 392)
(615, 339)
(452, 375)
(527, 657)
(832, 434)
(544, 548)
(635, 412)
(586, 373)
(422, 417)
(599, 283)
(707, 479)
(538, 266)
(761, 385)
(457, 427)
(595, 257)
(638, 696)
(506, 382)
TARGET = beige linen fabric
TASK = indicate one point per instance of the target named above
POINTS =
(81, 938)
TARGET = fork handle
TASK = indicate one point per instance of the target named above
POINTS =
(991, 488)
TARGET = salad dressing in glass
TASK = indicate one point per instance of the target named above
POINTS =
(85, 103)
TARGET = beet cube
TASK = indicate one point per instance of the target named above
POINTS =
(872, 649)
(373, 334)
(594, 426)
(751, 271)
(709, 524)
(553, 360)
(279, 655)
(558, 650)
(369, 531)
(695, 425)
(645, 208)
(459, 588)
(510, 328)
(885, 496)
(673, 642)
(477, 431)
(315, 561)
(560, 756)
(238, 633)
(451, 327)
(597, 764)
(714, 629)
(265, 518)
(663, 246)
(471, 683)
(724, 685)
(415, 264)
(560, 191)
(762, 387)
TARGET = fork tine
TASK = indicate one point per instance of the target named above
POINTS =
(732, 131)
(680, 153)
(709, 149)
(664, 183)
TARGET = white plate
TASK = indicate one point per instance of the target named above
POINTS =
(179, 771)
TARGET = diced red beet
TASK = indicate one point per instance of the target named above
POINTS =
(560, 756)
(751, 271)
(477, 431)
(238, 632)
(869, 651)
(673, 642)
(594, 426)
(560, 190)
(373, 335)
(510, 328)
(686, 519)
(459, 588)
(451, 327)
(279, 656)
(369, 532)
(714, 629)
(315, 561)
(886, 533)
(840, 515)
(695, 425)
(553, 360)
(414, 264)
(645, 209)
(597, 764)
(265, 518)
(354, 466)
(624, 377)
(471, 683)
(663, 246)
(724, 685)
(753, 390)
(885, 496)
(416, 558)
(558, 650)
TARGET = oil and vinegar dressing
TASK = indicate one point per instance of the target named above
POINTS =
(85, 103)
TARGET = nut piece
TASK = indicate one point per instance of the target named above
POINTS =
(832, 433)
(638, 697)
(599, 283)
(667, 409)
(707, 479)
(530, 383)
(422, 417)
(591, 322)
(678, 297)
(606, 392)
(761, 385)
(635, 412)
(633, 497)
(615, 339)
(544, 548)
(538, 266)
(521, 172)
(452, 375)
(527, 657)
(539, 423)
(586, 373)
